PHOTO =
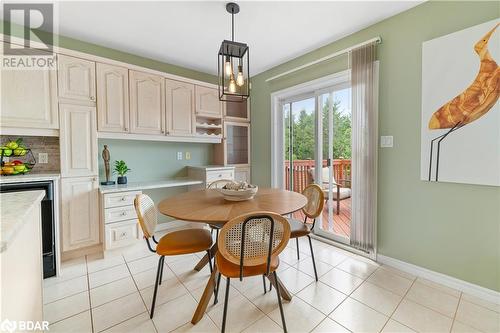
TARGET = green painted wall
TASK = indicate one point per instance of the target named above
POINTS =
(449, 228)
(148, 160)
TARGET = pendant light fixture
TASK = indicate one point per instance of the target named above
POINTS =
(233, 86)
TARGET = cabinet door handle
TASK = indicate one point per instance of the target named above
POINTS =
(92, 98)
(124, 198)
(124, 213)
(126, 129)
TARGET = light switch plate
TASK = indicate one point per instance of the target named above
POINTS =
(386, 141)
(43, 158)
(179, 155)
(188, 155)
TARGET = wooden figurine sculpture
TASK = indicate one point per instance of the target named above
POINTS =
(473, 103)
(106, 157)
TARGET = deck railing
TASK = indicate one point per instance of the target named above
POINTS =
(301, 174)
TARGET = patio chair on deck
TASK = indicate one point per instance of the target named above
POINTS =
(340, 190)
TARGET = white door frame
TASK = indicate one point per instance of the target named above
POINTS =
(314, 89)
(305, 90)
(300, 91)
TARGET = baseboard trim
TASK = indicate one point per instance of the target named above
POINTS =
(446, 280)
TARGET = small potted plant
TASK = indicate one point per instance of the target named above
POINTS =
(121, 169)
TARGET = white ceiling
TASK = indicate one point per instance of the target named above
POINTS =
(189, 33)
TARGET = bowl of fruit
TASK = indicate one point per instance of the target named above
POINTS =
(238, 191)
(24, 159)
(15, 168)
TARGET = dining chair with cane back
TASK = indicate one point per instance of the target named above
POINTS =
(313, 209)
(220, 183)
(174, 243)
(249, 245)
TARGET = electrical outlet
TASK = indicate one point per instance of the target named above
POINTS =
(188, 155)
(386, 141)
(43, 158)
(179, 155)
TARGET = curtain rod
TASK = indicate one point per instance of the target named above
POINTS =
(376, 40)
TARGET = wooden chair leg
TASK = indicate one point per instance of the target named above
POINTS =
(158, 273)
(226, 301)
(279, 303)
(297, 242)
(312, 257)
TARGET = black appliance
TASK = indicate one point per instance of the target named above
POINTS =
(48, 220)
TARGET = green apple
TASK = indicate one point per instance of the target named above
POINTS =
(6, 151)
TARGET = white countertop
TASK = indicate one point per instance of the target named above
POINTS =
(29, 177)
(135, 186)
(211, 167)
(15, 207)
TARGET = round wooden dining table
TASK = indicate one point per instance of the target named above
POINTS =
(209, 206)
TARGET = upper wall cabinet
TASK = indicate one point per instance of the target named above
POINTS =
(78, 140)
(112, 99)
(237, 111)
(29, 99)
(179, 98)
(76, 79)
(147, 103)
(207, 102)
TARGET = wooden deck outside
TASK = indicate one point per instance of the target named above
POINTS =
(300, 173)
(341, 223)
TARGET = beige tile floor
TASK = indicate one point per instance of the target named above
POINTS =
(113, 294)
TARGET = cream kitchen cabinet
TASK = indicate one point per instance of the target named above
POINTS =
(179, 98)
(78, 140)
(147, 103)
(80, 212)
(235, 146)
(210, 173)
(29, 99)
(237, 111)
(76, 79)
(120, 226)
(207, 102)
(112, 99)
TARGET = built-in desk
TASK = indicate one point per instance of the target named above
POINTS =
(118, 217)
(139, 186)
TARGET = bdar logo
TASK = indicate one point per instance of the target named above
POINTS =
(8, 326)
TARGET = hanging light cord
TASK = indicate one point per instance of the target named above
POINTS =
(232, 24)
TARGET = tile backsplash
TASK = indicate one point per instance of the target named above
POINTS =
(40, 144)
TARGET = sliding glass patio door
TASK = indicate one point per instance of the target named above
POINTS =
(317, 149)
(334, 148)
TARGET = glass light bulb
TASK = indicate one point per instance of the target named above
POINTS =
(228, 67)
(240, 80)
(232, 84)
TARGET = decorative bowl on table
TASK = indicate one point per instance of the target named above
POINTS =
(238, 191)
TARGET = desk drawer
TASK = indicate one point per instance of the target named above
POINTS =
(219, 174)
(120, 199)
(121, 234)
(116, 214)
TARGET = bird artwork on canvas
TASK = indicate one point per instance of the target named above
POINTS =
(470, 105)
